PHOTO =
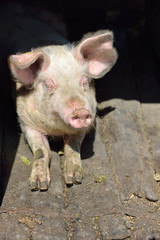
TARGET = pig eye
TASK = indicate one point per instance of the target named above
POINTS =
(51, 86)
(84, 83)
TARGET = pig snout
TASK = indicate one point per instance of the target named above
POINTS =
(77, 114)
(81, 118)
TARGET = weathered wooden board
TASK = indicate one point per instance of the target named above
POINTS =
(128, 150)
(97, 199)
(148, 86)
(125, 132)
(61, 212)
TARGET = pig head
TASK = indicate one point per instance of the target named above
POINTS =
(56, 97)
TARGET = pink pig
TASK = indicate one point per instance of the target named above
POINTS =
(56, 97)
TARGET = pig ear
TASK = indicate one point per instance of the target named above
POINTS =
(25, 67)
(97, 50)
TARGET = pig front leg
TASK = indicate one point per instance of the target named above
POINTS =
(40, 177)
(73, 171)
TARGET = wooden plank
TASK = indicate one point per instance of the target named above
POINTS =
(128, 150)
(20, 206)
(62, 211)
(24, 204)
(124, 130)
(148, 85)
(85, 229)
(97, 196)
(152, 120)
(98, 193)
(116, 227)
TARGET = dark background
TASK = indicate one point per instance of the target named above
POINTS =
(28, 24)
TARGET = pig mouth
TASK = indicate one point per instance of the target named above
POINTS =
(81, 118)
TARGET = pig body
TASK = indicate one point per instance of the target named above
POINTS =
(55, 97)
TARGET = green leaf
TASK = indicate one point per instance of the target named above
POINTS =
(100, 179)
(25, 160)
(60, 153)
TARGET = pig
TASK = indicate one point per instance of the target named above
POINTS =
(55, 97)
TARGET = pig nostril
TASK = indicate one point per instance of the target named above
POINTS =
(75, 118)
(88, 116)
(81, 117)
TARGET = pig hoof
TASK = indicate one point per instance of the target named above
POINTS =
(34, 186)
(42, 186)
(75, 176)
(78, 179)
(40, 178)
(69, 180)
(73, 180)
